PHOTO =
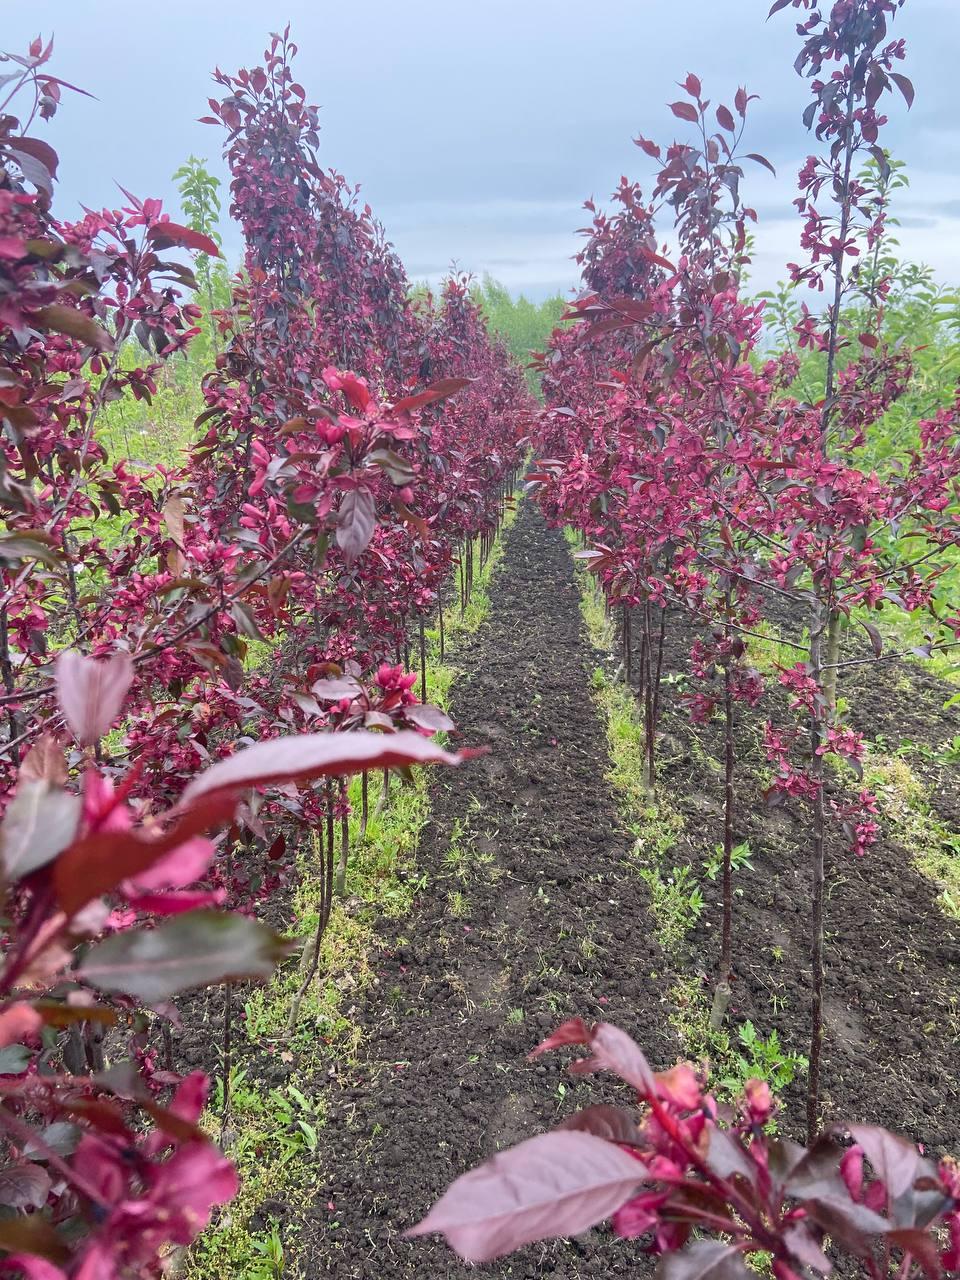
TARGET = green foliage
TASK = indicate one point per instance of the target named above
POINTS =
(162, 430)
(525, 326)
(200, 203)
(739, 857)
(268, 1248)
(762, 1059)
(677, 904)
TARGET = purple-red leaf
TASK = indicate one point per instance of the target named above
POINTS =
(758, 159)
(193, 950)
(101, 861)
(91, 691)
(725, 118)
(896, 1162)
(612, 1123)
(24, 1186)
(337, 688)
(705, 1260)
(905, 86)
(75, 324)
(356, 520)
(39, 823)
(558, 1184)
(302, 756)
(164, 234)
(685, 111)
(613, 1050)
(876, 639)
(437, 391)
(425, 716)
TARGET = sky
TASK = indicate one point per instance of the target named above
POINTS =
(477, 131)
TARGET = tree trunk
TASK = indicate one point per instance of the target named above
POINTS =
(831, 658)
(817, 886)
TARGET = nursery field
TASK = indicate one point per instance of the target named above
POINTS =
(480, 777)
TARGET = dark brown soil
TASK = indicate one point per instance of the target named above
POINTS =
(553, 925)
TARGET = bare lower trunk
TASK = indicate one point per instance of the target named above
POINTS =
(310, 959)
(817, 888)
(384, 793)
(649, 725)
(627, 646)
(341, 885)
(423, 663)
(726, 945)
(831, 658)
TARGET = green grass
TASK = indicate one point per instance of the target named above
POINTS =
(933, 848)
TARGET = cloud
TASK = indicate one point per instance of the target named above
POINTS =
(477, 131)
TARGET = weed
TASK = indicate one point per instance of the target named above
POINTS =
(267, 1247)
(762, 1059)
(677, 903)
(740, 856)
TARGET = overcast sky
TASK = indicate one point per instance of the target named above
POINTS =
(478, 130)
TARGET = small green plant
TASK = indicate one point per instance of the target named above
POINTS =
(457, 855)
(740, 857)
(268, 1255)
(762, 1059)
(677, 902)
(295, 1120)
(244, 1097)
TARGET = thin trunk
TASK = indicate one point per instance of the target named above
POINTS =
(423, 662)
(341, 886)
(649, 727)
(830, 664)
(440, 617)
(364, 802)
(384, 792)
(310, 958)
(226, 1060)
(817, 887)
(726, 950)
(9, 685)
(627, 646)
(658, 672)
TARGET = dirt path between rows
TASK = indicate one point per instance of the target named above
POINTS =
(527, 917)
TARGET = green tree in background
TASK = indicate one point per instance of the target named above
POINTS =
(525, 326)
(160, 430)
(200, 202)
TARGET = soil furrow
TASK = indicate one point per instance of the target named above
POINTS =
(528, 915)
